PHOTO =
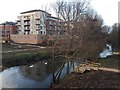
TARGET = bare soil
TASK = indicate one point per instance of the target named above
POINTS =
(92, 79)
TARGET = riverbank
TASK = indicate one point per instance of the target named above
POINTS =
(110, 62)
(15, 55)
(94, 79)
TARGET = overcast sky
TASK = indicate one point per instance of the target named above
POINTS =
(10, 9)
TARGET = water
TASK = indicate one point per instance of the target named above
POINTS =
(38, 75)
(106, 52)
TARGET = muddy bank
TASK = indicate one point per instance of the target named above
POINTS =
(92, 79)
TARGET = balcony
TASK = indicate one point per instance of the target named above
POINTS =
(26, 29)
(37, 23)
(37, 18)
(18, 23)
(27, 18)
(26, 23)
(37, 29)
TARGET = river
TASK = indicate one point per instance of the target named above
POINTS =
(38, 75)
(107, 51)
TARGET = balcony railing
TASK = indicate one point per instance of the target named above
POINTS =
(18, 23)
(37, 23)
(26, 29)
(27, 23)
(37, 18)
(38, 29)
(27, 18)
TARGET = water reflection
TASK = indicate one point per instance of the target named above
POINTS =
(37, 76)
(37, 72)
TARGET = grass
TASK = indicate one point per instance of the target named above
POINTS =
(94, 79)
(20, 56)
(110, 62)
(44, 54)
(9, 47)
(23, 57)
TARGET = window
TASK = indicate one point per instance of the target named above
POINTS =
(27, 17)
(41, 32)
(37, 21)
(50, 33)
(40, 27)
(49, 22)
(50, 27)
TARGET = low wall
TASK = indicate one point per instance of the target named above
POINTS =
(29, 39)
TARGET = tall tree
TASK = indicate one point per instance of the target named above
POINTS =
(84, 37)
(84, 30)
(115, 36)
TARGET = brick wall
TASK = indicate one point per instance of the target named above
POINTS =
(29, 39)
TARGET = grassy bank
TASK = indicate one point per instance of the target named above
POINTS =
(93, 79)
(110, 62)
(24, 57)
(12, 47)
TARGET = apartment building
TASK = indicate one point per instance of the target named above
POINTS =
(54, 26)
(7, 29)
(35, 25)
(32, 22)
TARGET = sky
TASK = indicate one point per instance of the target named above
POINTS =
(10, 9)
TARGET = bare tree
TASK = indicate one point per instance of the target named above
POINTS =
(115, 36)
(84, 37)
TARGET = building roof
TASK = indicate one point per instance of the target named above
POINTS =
(35, 11)
(8, 23)
(51, 17)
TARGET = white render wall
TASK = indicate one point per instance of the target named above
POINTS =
(33, 16)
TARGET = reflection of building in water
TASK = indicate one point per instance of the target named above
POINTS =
(37, 72)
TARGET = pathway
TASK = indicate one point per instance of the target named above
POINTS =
(109, 69)
(93, 66)
(18, 50)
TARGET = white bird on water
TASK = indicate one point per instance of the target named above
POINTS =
(45, 62)
(31, 65)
